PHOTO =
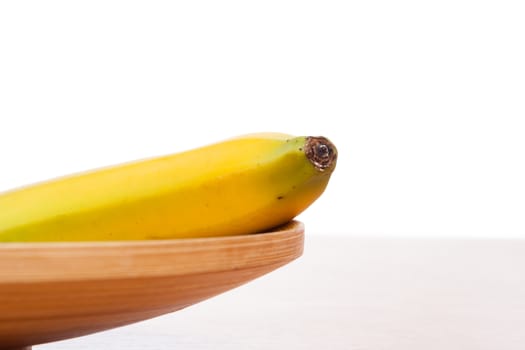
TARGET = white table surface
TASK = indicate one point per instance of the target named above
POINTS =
(354, 293)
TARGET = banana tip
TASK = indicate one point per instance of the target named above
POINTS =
(321, 152)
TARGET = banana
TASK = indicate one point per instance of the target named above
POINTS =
(242, 185)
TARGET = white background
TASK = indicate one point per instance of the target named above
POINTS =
(424, 99)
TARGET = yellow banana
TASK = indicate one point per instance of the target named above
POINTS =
(242, 185)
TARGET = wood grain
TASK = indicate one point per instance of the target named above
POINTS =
(52, 291)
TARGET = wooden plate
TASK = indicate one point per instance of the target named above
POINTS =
(53, 291)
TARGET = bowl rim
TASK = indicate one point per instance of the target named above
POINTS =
(70, 261)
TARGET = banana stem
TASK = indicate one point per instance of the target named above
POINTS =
(320, 152)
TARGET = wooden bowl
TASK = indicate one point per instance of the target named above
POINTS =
(54, 291)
